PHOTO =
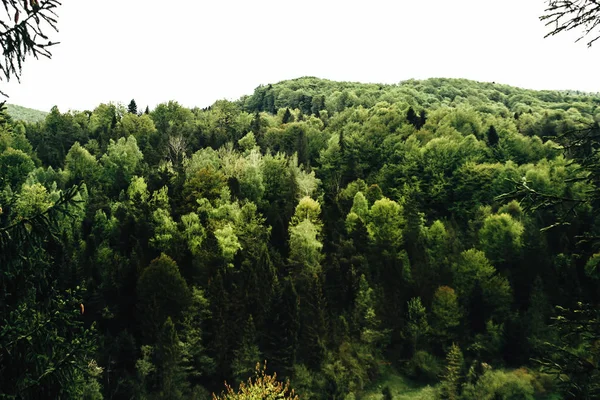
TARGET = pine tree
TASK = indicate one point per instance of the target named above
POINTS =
(247, 354)
(422, 119)
(285, 323)
(170, 372)
(132, 107)
(44, 346)
(287, 117)
(412, 118)
(147, 110)
(492, 136)
(453, 374)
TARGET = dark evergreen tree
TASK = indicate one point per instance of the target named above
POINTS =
(422, 119)
(492, 136)
(412, 118)
(132, 107)
(287, 116)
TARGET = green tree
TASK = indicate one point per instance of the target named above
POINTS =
(132, 107)
(445, 314)
(15, 165)
(417, 327)
(162, 293)
(247, 355)
(45, 349)
(262, 386)
(120, 163)
(501, 239)
(452, 377)
(81, 166)
(492, 136)
(171, 376)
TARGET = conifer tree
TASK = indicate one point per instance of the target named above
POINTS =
(247, 355)
(492, 136)
(172, 380)
(132, 107)
(412, 118)
(287, 116)
(453, 374)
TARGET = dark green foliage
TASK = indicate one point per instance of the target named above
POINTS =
(132, 107)
(575, 358)
(358, 234)
(287, 117)
(452, 377)
(492, 136)
(44, 346)
(162, 293)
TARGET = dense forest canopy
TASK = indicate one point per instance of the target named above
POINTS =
(336, 230)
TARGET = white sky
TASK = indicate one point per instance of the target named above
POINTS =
(198, 51)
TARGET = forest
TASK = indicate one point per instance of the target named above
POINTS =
(305, 241)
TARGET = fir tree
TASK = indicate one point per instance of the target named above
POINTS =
(287, 116)
(132, 107)
(247, 354)
(412, 118)
(170, 372)
(453, 374)
(492, 136)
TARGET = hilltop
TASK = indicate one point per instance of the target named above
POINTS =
(20, 113)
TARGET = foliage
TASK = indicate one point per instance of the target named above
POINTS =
(19, 113)
(355, 236)
(262, 386)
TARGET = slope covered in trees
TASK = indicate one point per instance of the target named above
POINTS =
(329, 228)
(20, 113)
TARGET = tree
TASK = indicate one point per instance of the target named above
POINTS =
(247, 355)
(24, 32)
(162, 293)
(44, 347)
(263, 386)
(14, 168)
(492, 136)
(453, 374)
(566, 15)
(132, 107)
(287, 117)
(445, 314)
(417, 326)
(169, 369)
(574, 359)
(501, 239)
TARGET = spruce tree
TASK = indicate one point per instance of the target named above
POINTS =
(287, 116)
(453, 374)
(172, 382)
(412, 118)
(422, 119)
(492, 136)
(247, 354)
(132, 107)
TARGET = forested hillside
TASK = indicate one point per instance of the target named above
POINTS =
(20, 113)
(332, 229)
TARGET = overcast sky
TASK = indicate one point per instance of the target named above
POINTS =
(196, 51)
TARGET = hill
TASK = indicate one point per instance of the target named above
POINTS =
(20, 113)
